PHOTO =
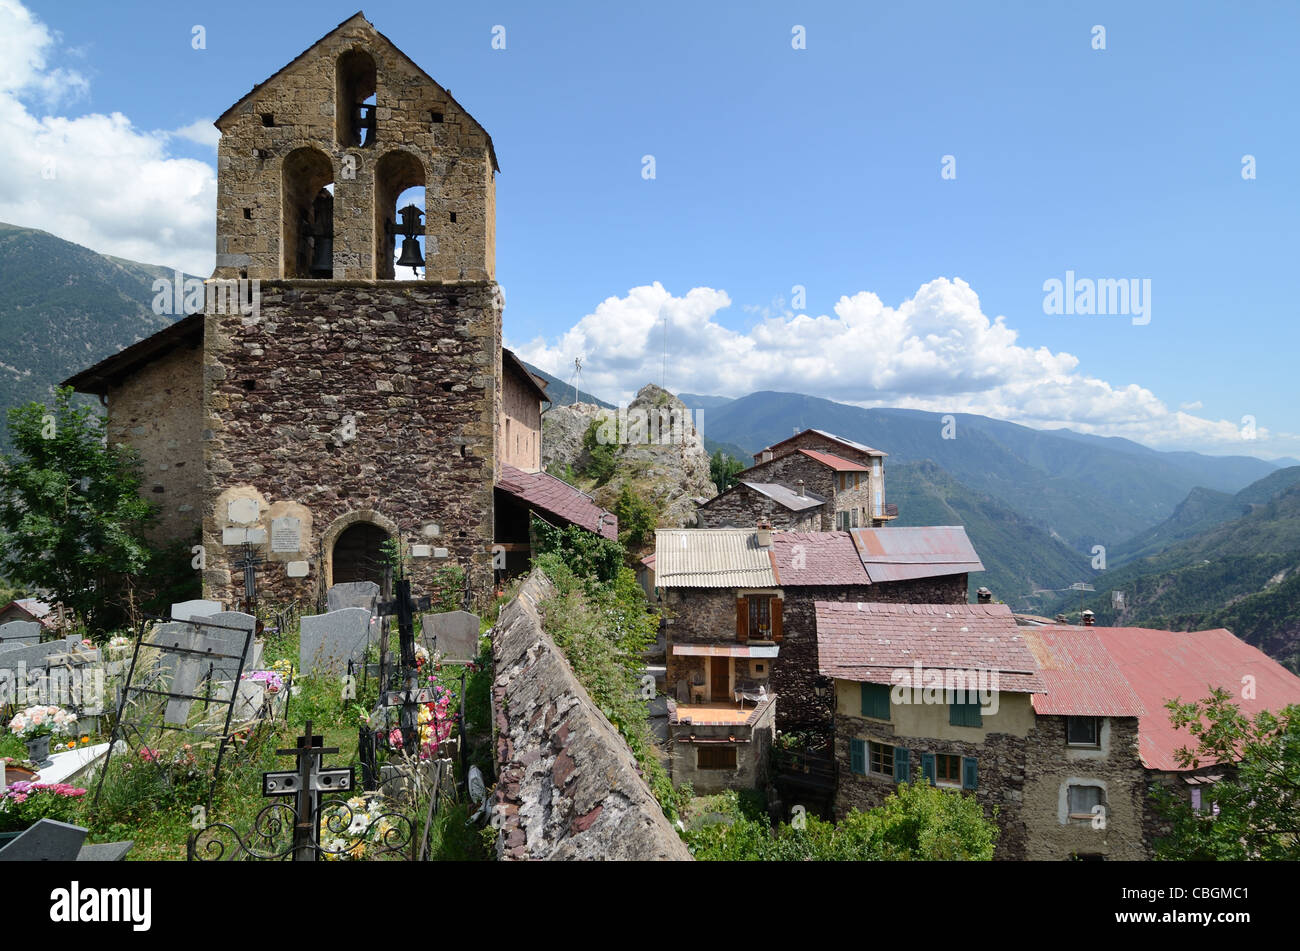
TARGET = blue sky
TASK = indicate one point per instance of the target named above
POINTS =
(817, 167)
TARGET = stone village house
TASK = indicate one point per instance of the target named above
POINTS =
(813, 481)
(741, 647)
(343, 407)
(1067, 745)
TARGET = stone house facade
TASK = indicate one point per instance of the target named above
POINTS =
(746, 504)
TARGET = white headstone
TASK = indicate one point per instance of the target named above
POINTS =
(242, 511)
(286, 534)
(354, 594)
(20, 631)
(198, 608)
(297, 569)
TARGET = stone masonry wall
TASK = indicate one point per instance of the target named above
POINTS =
(344, 402)
(1051, 766)
(788, 469)
(568, 787)
(422, 136)
(742, 507)
(158, 411)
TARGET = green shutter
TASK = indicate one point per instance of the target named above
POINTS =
(902, 767)
(875, 701)
(857, 757)
(964, 714)
(969, 773)
(927, 767)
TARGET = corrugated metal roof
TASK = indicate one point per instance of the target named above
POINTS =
(867, 642)
(786, 496)
(838, 463)
(900, 554)
(712, 558)
(1082, 679)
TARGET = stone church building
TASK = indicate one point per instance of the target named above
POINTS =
(344, 407)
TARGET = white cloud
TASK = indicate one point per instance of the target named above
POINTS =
(200, 132)
(94, 179)
(936, 351)
(1194, 405)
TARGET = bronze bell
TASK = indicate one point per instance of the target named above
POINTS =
(322, 262)
(410, 228)
(410, 256)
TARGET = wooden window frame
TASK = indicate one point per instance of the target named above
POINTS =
(877, 753)
(945, 763)
(716, 752)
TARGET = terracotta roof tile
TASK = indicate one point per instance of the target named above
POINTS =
(866, 642)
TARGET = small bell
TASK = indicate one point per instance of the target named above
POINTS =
(322, 262)
(410, 256)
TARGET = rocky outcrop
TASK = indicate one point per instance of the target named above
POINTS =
(659, 452)
(568, 786)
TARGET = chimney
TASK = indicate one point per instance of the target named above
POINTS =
(799, 483)
(1089, 618)
(1062, 619)
(984, 596)
(764, 534)
(766, 456)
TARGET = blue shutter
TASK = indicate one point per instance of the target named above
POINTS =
(927, 767)
(902, 767)
(875, 701)
(857, 757)
(969, 773)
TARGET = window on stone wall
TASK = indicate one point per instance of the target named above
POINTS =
(1083, 731)
(715, 757)
(1082, 800)
(354, 100)
(881, 759)
(947, 769)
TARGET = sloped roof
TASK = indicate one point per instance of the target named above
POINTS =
(900, 554)
(1082, 679)
(817, 558)
(510, 359)
(832, 461)
(111, 370)
(785, 496)
(867, 642)
(1162, 665)
(712, 558)
(360, 14)
(860, 447)
(557, 498)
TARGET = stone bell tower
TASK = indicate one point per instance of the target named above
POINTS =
(345, 407)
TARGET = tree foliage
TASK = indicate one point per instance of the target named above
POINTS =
(723, 470)
(1253, 810)
(637, 519)
(587, 554)
(71, 517)
(918, 822)
(602, 458)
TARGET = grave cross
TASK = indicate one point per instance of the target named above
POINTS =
(307, 781)
(405, 606)
(249, 562)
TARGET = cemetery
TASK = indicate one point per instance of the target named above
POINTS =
(357, 733)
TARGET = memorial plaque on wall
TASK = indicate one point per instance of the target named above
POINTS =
(286, 534)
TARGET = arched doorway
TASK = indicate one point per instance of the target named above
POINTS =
(358, 554)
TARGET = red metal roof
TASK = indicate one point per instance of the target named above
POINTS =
(1162, 665)
(838, 463)
(899, 554)
(866, 643)
(556, 497)
(817, 558)
(1082, 679)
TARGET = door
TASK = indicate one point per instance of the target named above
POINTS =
(719, 678)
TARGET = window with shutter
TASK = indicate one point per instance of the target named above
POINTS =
(778, 607)
(875, 701)
(902, 765)
(927, 767)
(965, 713)
(742, 619)
(969, 773)
(858, 757)
(760, 616)
(880, 759)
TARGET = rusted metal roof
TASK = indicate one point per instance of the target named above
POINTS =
(1082, 679)
(712, 558)
(900, 554)
(556, 497)
(832, 461)
(868, 642)
(1162, 665)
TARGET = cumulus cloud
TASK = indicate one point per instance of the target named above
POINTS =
(936, 351)
(200, 132)
(94, 179)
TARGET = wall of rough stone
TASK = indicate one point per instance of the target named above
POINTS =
(787, 470)
(158, 411)
(752, 754)
(1051, 765)
(742, 507)
(568, 787)
(417, 121)
(357, 401)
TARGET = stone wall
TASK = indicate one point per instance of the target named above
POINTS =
(753, 748)
(568, 787)
(288, 138)
(352, 401)
(158, 411)
(787, 470)
(742, 507)
(1051, 766)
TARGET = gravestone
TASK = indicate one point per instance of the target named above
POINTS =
(454, 633)
(188, 670)
(20, 632)
(33, 654)
(354, 594)
(52, 841)
(199, 608)
(330, 640)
